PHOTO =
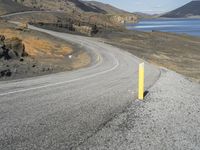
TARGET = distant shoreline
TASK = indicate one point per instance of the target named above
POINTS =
(164, 18)
(188, 26)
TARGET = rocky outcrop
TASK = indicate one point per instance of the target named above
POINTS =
(120, 19)
(5, 73)
(11, 48)
(83, 29)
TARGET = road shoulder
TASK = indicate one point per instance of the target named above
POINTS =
(167, 119)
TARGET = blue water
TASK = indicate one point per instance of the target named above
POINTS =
(180, 26)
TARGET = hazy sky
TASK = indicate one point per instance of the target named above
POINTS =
(148, 6)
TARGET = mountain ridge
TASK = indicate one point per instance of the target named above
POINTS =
(190, 9)
(71, 7)
(106, 7)
(66, 5)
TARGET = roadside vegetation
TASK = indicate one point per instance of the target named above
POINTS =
(176, 52)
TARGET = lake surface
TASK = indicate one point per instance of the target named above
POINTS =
(187, 26)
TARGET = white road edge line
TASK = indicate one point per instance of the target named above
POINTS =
(60, 83)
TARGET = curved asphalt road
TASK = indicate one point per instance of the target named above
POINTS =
(60, 111)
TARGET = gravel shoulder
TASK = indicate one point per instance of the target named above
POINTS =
(167, 119)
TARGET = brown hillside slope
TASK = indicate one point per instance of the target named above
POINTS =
(72, 6)
(106, 7)
(9, 6)
(61, 5)
(176, 52)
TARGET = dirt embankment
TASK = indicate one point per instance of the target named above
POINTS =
(180, 53)
(27, 53)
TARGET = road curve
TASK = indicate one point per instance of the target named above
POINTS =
(60, 111)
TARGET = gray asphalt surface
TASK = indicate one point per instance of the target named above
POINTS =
(61, 111)
(168, 119)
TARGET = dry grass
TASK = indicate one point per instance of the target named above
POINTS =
(83, 59)
(177, 52)
(38, 47)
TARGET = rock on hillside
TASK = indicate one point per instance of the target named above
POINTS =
(124, 18)
(11, 48)
(191, 9)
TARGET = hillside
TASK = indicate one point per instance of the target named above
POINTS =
(89, 8)
(9, 6)
(191, 9)
(78, 5)
(105, 7)
(60, 5)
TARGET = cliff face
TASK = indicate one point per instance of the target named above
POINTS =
(191, 9)
(120, 19)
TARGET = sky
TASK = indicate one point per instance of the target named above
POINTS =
(147, 6)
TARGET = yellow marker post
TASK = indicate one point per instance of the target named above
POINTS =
(141, 82)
